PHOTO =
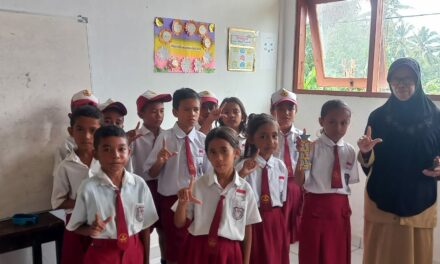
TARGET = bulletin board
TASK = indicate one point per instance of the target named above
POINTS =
(44, 60)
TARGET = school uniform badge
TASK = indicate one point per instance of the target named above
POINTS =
(237, 213)
(140, 213)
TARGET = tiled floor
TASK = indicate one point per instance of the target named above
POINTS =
(356, 253)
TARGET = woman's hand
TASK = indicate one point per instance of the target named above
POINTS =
(434, 171)
(366, 143)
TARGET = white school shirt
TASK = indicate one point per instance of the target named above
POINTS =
(242, 143)
(277, 172)
(239, 207)
(68, 177)
(291, 141)
(318, 179)
(140, 149)
(174, 174)
(97, 195)
(63, 151)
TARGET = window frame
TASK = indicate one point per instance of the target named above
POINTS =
(376, 74)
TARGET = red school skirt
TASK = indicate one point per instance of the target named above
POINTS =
(292, 209)
(174, 237)
(269, 240)
(325, 236)
(74, 246)
(196, 251)
(152, 185)
(105, 251)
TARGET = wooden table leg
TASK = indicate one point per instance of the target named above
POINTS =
(58, 247)
(37, 256)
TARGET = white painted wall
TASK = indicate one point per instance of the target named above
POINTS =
(120, 35)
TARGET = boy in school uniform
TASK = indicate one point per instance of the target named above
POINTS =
(83, 97)
(284, 106)
(77, 166)
(113, 113)
(114, 207)
(209, 111)
(177, 155)
(150, 108)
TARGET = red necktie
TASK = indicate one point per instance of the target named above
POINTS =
(287, 159)
(121, 225)
(336, 172)
(189, 158)
(213, 229)
(265, 200)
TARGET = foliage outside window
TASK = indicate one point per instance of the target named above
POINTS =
(346, 46)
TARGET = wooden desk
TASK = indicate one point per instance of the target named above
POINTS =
(49, 228)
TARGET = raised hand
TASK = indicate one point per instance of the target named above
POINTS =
(434, 171)
(98, 225)
(249, 165)
(134, 134)
(164, 154)
(216, 114)
(185, 195)
(366, 143)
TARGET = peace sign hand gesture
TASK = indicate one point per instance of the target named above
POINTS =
(185, 195)
(249, 165)
(366, 143)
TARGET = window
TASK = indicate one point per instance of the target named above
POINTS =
(346, 47)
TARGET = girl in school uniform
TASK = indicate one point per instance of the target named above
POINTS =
(114, 207)
(325, 234)
(234, 115)
(267, 176)
(220, 231)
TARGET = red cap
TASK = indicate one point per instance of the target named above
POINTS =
(150, 96)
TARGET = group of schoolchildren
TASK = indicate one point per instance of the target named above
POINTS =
(219, 186)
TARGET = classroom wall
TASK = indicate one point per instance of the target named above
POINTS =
(120, 37)
(309, 111)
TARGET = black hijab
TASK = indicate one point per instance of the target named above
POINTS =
(411, 139)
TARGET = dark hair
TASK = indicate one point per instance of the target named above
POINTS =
(255, 122)
(235, 100)
(182, 94)
(225, 133)
(85, 111)
(332, 105)
(107, 131)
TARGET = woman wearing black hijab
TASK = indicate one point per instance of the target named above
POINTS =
(401, 192)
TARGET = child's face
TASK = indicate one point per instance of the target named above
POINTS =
(285, 113)
(266, 139)
(153, 114)
(112, 153)
(111, 117)
(335, 123)
(83, 131)
(205, 109)
(222, 156)
(233, 116)
(187, 113)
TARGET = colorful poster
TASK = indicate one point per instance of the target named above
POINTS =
(241, 49)
(183, 46)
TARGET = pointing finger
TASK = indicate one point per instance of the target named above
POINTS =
(368, 134)
(191, 183)
(137, 126)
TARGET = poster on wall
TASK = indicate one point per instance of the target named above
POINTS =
(241, 49)
(183, 46)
